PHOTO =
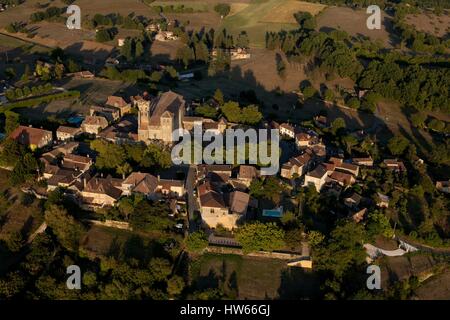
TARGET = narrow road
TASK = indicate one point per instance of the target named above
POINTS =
(192, 203)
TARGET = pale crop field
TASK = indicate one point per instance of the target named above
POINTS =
(283, 12)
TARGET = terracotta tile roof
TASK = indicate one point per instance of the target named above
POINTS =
(103, 186)
(95, 120)
(76, 158)
(29, 135)
(239, 202)
(302, 136)
(116, 101)
(204, 188)
(69, 130)
(318, 172)
(348, 166)
(247, 172)
(212, 199)
(142, 182)
(287, 126)
(192, 119)
(344, 178)
(300, 160)
(336, 160)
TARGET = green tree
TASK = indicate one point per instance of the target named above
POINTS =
(243, 40)
(11, 121)
(260, 236)
(337, 126)
(397, 145)
(196, 241)
(139, 50)
(309, 92)
(156, 157)
(378, 224)
(64, 226)
(110, 155)
(175, 285)
(231, 111)
(160, 268)
(151, 216)
(251, 115)
(418, 119)
(436, 125)
(329, 95)
(223, 9)
(218, 96)
(353, 103)
(185, 55)
(341, 254)
(206, 111)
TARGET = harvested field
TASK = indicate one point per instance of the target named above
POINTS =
(237, 7)
(430, 23)
(354, 23)
(284, 11)
(249, 19)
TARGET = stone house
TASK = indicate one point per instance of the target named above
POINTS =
(65, 133)
(32, 137)
(94, 124)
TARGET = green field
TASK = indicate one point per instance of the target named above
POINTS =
(256, 18)
(253, 278)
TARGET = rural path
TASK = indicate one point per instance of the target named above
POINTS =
(192, 203)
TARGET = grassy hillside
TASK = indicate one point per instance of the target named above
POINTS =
(258, 17)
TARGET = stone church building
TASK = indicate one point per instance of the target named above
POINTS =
(159, 117)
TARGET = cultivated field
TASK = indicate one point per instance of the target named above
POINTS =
(284, 11)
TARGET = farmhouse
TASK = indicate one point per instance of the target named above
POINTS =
(143, 183)
(32, 137)
(100, 192)
(76, 162)
(367, 162)
(287, 130)
(94, 124)
(317, 177)
(165, 36)
(296, 166)
(303, 140)
(110, 113)
(64, 133)
(63, 178)
(395, 165)
(247, 174)
(124, 131)
(119, 103)
(342, 178)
